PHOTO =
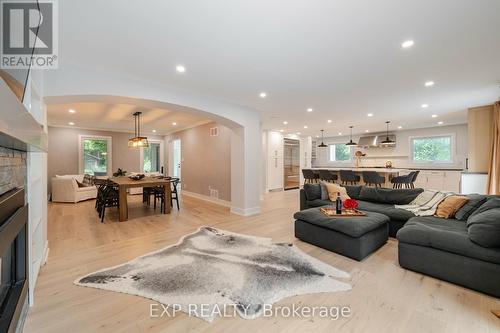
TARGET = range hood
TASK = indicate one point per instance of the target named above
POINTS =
(372, 141)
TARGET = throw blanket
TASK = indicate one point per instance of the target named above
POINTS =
(426, 203)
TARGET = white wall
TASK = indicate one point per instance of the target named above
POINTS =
(399, 155)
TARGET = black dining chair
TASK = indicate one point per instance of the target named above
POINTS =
(327, 176)
(309, 176)
(349, 177)
(373, 178)
(175, 194)
(107, 196)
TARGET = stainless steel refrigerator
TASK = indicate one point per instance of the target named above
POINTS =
(291, 164)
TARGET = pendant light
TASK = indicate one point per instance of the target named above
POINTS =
(351, 143)
(322, 145)
(387, 141)
(138, 141)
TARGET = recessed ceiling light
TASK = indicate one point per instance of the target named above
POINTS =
(174, 123)
(429, 83)
(367, 131)
(180, 68)
(340, 133)
(282, 130)
(285, 123)
(305, 126)
(424, 106)
(71, 123)
(400, 127)
(298, 133)
(407, 43)
(310, 110)
(317, 136)
(434, 116)
(263, 95)
(154, 131)
(329, 121)
(440, 123)
(370, 114)
(71, 111)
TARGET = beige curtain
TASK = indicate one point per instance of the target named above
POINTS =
(494, 170)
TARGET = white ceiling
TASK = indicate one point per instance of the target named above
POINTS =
(341, 57)
(118, 117)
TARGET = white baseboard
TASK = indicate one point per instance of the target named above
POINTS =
(206, 198)
(245, 211)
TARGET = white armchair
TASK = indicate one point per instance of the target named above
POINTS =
(65, 189)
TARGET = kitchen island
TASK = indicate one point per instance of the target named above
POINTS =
(387, 173)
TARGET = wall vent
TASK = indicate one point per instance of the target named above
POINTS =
(214, 131)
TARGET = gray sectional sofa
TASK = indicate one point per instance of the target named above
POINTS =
(464, 250)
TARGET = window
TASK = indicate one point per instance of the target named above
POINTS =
(434, 149)
(340, 153)
(152, 156)
(95, 155)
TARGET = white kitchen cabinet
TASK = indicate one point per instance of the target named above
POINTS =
(441, 180)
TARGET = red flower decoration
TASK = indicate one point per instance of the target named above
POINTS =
(350, 204)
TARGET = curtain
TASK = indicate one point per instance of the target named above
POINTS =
(494, 169)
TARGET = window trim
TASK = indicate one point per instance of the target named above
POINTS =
(452, 149)
(337, 161)
(81, 138)
(141, 155)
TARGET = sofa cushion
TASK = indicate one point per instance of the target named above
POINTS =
(386, 209)
(313, 191)
(354, 227)
(353, 191)
(388, 195)
(491, 202)
(450, 205)
(324, 191)
(475, 201)
(484, 228)
(447, 235)
(319, 203)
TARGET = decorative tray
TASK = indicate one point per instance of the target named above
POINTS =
(332, 212)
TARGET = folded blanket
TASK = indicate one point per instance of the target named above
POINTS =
(426, 203)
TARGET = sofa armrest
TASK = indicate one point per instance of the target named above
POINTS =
(303, 200)
(64, 189)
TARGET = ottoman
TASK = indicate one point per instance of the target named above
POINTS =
(353, 237)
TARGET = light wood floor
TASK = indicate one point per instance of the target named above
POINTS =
(384, 297)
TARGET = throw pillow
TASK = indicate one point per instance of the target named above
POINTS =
(87, 180)
(313, 191)
(334, 190)
(475, 201)
(324, 191)
(492, 202)
(450, 205)
(80, 184)
(484, 228)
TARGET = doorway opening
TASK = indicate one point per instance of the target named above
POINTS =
(176, 160)
(291, 164)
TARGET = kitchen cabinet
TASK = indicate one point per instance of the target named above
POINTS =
(441, 180)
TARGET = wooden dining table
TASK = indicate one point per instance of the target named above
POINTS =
(125, 183)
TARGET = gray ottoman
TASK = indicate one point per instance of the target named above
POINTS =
(353, 237)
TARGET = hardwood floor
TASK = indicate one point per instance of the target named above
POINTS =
(384, 297)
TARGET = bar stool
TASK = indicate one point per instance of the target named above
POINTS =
(373, 178)
(309, 176)
(327, 176)
(348, 176)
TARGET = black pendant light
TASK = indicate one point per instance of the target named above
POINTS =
(387, 141)
(138, 141)
(322, 145)
(351, 143)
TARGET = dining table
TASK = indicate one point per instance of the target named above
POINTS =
(125, 183)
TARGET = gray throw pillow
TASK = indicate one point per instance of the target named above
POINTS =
(484, 228)
(475, 201)
(313, 191)
(491, 202)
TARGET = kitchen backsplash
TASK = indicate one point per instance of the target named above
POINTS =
(12, 169)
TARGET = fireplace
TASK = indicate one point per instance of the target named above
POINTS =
(13, 240)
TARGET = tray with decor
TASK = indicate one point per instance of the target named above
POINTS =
(332, 212)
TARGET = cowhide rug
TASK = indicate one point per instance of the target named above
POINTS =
(218, 267)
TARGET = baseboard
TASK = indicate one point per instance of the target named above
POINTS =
(245, 211)
(45, 253)
(206, 198)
